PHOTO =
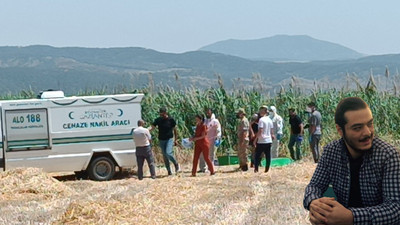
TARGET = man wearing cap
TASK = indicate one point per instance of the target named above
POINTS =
(315, 131)
(166, 133)
(243, 138)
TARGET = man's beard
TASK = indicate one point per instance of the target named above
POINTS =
(353, 146)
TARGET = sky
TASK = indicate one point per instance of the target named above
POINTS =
(177, 26)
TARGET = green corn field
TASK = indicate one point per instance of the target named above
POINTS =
(184, 104)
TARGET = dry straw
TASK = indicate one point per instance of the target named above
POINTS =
(29, 196)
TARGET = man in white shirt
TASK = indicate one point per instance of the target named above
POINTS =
(213, 132)
(142, 138)
(264, 138)
(278, 130)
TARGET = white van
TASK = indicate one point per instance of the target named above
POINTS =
(90, 135)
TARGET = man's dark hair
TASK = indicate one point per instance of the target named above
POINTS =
(140, 122)
(162, 110)
(200, 116)
(311, 104)
(348, 104)
(292, 110)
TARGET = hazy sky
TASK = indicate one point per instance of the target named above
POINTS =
(367, 26)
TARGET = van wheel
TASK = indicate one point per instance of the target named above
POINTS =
(101, 169)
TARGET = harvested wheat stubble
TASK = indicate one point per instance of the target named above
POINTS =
(30, 183)
(227, 198)
(30, 196)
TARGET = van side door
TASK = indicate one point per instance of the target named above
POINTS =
(26, 130)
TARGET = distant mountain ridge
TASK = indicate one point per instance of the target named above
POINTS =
(284, 48)
(75, 69)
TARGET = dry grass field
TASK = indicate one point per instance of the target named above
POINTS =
(29, 196)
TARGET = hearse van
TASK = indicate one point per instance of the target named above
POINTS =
(88, 135)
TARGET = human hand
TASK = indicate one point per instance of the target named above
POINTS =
(315, 221)
(337, 214)
(317, 210)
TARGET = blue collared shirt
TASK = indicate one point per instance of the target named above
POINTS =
(379, 181)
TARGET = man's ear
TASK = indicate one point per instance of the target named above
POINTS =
(339, 130)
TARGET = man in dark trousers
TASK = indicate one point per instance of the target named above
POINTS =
(296, 134)
(167, 136)
(315, 130)
(142, 139)
(363, 170)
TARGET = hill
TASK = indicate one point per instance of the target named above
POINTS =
(74, 69)
(283, 48)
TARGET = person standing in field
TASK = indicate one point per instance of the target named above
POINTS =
(296, 134)
(243, 138)
(264, 138)
(315, 131)
(278, 131)
(201, 145)
(142, 139)
(363, 170)
(213, 132)
(253, 132)
(167, 136)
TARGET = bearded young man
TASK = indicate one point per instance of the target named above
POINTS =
(363, 170)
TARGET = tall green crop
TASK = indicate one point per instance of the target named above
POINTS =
(185, 104)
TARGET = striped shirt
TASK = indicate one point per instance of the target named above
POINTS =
(379, 181)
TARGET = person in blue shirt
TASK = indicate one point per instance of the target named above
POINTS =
(363, 170)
